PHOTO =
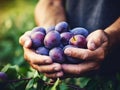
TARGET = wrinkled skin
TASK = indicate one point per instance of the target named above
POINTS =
(97, 44)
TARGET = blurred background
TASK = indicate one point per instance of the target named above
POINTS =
(16, 17)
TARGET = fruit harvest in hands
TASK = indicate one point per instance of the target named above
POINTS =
(54, 40)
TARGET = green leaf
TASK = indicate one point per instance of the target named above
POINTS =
(12, 71)
(56, 84)
(84, 81)
(36, 74)
(5, 68)
(30, 84)
(63, 86)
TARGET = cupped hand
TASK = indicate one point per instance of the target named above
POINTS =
(47, 13)
(41, 63)
(97, 48)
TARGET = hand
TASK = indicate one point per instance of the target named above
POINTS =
(41, 63)
(97, 44)
(47, 13)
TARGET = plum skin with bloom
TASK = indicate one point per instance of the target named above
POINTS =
(61, 27)
(37, 39)
(79, 41)
(38, 29)
(65, 37)
(57, 55)
(79, 31)
(42, 51)
(52, 39)
(51, 28)
(3, 76)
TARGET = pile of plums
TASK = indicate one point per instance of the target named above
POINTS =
(55, 39)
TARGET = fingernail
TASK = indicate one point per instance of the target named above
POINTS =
(47, 61)
(56, 68)
(68, 52)
(93, 47)
(27, 43)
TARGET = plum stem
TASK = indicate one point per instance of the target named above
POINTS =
(74, 38)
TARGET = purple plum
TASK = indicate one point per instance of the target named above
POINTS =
(42, 51)
(57, 55)
(61, 27)
(51, 28)
(37, 39)
(39, 29)
(52, 39)
(79, 41)
(65, 36)
(3, 76)
(80, 30)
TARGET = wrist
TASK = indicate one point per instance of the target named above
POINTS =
(113, 32)
(111, 37)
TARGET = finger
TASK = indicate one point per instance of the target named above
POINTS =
(85, 54)
(91, 45)
(93, 42)
(25, 40)
(54, 75)
(34, 58)
(51, 68)
(80, 69)
(96, 39)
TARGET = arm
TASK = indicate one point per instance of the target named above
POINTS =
(113, 32)
(98, 43)
(49, 12)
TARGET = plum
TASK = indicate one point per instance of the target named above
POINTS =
(51, 28)
(61, 27)
(37, 39)
(57, 55)
(3, 76)
(38, 29)
(52, 39)
(80, 30)
(42, 51)
(79, 41)
(65, 36)
(73, 60)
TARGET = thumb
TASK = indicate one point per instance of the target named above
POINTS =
(96, 39)
(91, 45)
(25, 41)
